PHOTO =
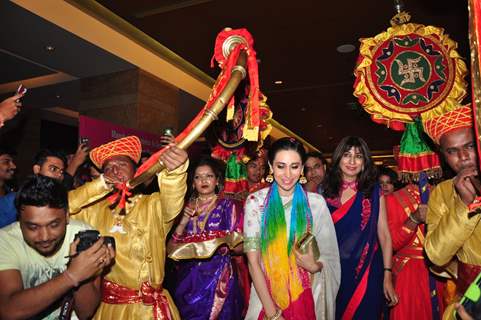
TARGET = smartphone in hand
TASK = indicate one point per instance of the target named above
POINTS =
(21, 89)
(84, 141)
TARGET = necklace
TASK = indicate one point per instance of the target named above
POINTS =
(118, 225)
(345, 185)
(199, 225)
(206, 198)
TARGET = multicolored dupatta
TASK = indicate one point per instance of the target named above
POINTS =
(289, 285)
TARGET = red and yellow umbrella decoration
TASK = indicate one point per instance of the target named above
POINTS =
(407, 72)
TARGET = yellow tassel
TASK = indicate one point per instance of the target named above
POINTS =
(230, 112)
(250, 134)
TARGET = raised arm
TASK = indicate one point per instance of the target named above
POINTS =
(87, 194)
(448, 224)
(172, 182)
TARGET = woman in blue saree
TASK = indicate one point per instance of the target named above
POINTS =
(204, 242)
(365, 247)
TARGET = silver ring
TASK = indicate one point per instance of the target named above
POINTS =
(241, 69)
(229, 44)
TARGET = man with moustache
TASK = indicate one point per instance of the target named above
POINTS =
(133, 287)
(35, 271)
(54, 164)
(454, 232)
(47, 163)
(7, 170)
(315, 170)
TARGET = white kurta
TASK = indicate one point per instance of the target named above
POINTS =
(325, 283)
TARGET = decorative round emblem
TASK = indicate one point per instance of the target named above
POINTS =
(409, 70)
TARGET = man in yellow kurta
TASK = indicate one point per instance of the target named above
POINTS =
(133, 287)
(453, 233)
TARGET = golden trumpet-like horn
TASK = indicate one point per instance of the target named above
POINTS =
(238, 74)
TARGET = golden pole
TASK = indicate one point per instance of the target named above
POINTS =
(238, 73)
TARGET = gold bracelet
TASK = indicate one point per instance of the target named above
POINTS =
(276, 315)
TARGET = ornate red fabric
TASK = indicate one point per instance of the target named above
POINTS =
(129, 146)
(458, 118)
(114, 293)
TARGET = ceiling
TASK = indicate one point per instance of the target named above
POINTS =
(37, 53)
(296, 43)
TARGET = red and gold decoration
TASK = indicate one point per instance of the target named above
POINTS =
(458, 118)
(415, 155)
(234, 53)
(408, 72)
(128, 146)
(475, 46)
(235, 138)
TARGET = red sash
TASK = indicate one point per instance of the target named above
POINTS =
(114, 293)
(343, 210)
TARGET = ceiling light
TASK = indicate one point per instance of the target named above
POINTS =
(319, 125)
(303, 109)
(278, 82)
(346, 48)
(49, 48)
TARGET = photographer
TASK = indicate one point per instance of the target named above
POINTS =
(35, 271)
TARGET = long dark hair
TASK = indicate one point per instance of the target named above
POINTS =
(217, 169)
(366, 178)
(287, 143)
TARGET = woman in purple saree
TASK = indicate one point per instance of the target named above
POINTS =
(203, 243)
(363, 236)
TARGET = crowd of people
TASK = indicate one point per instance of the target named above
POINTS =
(309, 239)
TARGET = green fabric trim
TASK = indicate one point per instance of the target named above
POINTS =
(235, 170)
(412, 141)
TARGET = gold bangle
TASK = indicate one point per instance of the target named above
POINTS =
(276, 315)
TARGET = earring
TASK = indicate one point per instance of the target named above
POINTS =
(302, 179)
(270, 177)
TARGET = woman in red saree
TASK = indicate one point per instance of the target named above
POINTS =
(406, 218)
(359, 216)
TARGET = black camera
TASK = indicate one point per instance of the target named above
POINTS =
(89, 237)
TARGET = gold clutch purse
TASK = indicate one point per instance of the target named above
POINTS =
(308, 239)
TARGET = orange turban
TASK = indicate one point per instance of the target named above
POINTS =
(461, 117)
(128, 146)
